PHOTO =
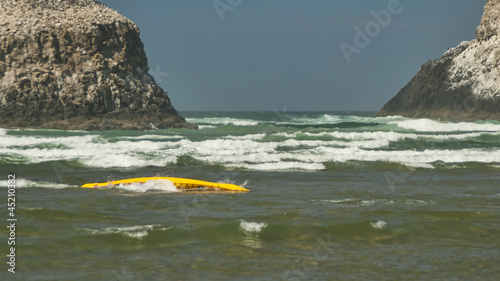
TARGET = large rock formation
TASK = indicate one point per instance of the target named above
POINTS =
(76, 64)
(464, 85)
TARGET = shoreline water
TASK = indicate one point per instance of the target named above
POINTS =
(428, 212)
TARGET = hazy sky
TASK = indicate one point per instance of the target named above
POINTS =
(266, 54)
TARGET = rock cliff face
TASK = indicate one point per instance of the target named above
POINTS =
(76, 64)
(464, 85)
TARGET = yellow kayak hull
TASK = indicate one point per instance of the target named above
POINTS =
(180, 183)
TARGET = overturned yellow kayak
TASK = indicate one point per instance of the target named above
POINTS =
(180, 183)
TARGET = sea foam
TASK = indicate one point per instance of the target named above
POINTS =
(137, 232)
(397, 140)
(223, 121)
(252, 227)
(152, 185)
(427, 125)
(24, 183)
(379, 224)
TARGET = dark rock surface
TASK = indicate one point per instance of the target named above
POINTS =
(463, 85)
(76, 64)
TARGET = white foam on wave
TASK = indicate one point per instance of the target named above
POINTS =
(375, 139)
(252, 227)
(251, 154)
(330, 118)
(227, 147)
(392, 136)
(281, 166)
(249, 151)
(11, 144)
(117, 160)
(416, 202)
(37, 140)
(379, 224)
(201, 127)
(24, 183)
(50, 130)
(223, 121)
(265, 157)
(31, 209)
(151, 185)
(137, 232)
(367, 143)
(335, 201)
(427, 125)
(410, 157)
(251, 231)
(321, 119)
(3, 132)
(368, 202)
(361, 203)
(92, 151)
(153, 137)
(335, 119)
(246, 137)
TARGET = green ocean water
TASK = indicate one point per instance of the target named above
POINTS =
(334, 196)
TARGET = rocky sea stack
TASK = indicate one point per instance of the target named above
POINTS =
(464, 85)
(76, 64)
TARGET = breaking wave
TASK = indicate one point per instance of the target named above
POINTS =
(308, 142)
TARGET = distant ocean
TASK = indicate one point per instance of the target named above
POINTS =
(334, 196)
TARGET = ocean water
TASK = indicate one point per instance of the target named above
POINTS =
(334, 196)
